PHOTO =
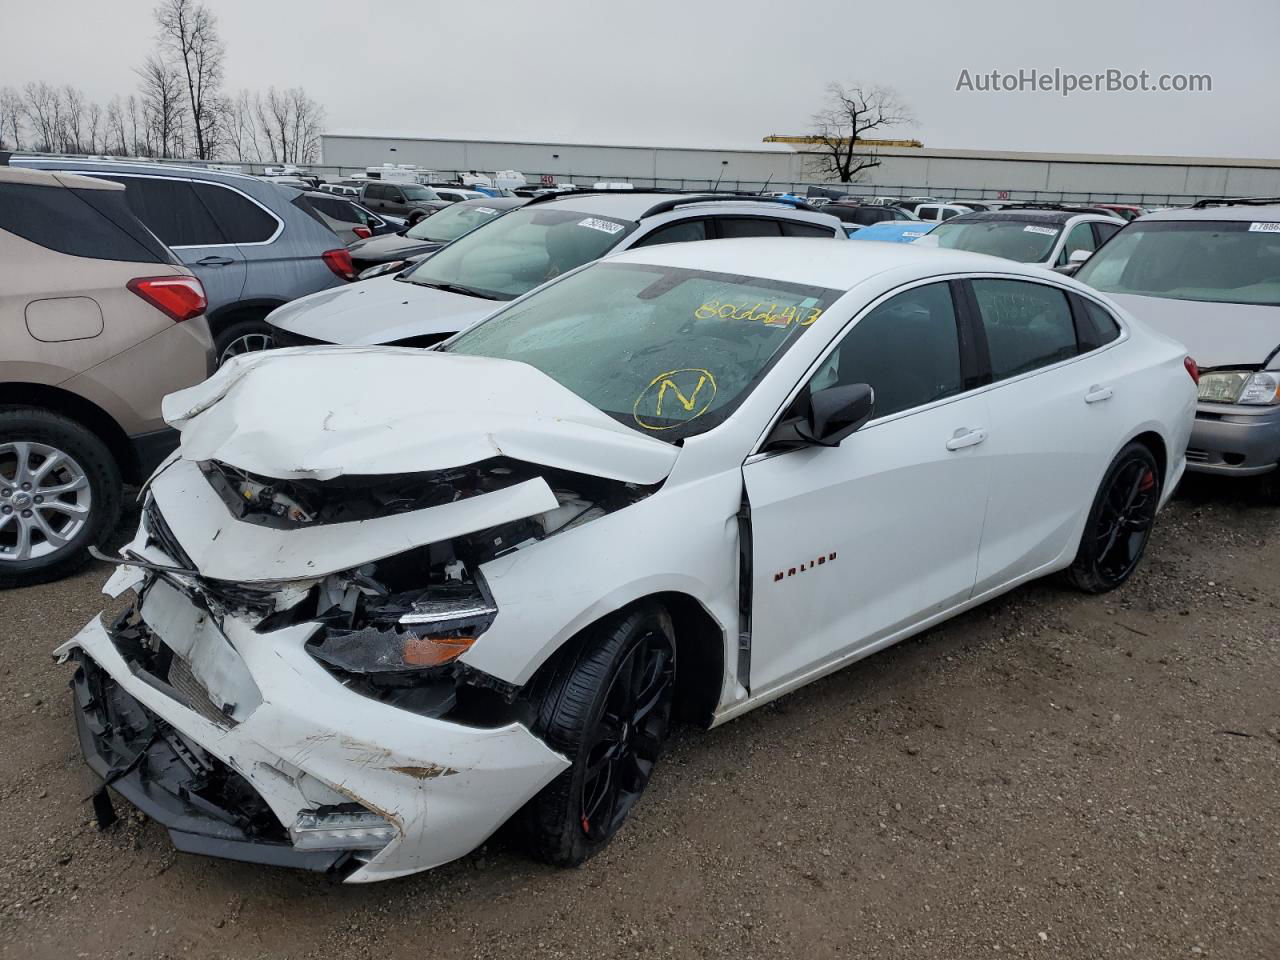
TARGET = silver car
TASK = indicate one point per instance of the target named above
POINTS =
(249, 241)
(1210, 277)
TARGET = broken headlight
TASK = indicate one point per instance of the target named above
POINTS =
(409, 633)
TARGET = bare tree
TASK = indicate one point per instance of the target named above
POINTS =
(113, 138)
(850, 112)
(40, 104)
(189, 40)
(136, 117)
(72, 120)
(163, 107)
(94, 128)
(240, 127)
(10, 119)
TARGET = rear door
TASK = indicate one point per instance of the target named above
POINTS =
(1053, 424)
(177, 214)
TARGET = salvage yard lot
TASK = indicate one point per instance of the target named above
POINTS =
(1051, 775)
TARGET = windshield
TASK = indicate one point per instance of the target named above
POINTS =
(516, 252)
(1219, 261)
(669, 352)
(452, 222)
(413, 191)
(1011, 239)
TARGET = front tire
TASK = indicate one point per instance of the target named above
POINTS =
(608, 709)
(60, 493)
(1119, 525)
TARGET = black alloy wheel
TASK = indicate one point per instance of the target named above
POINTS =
(1120, 521)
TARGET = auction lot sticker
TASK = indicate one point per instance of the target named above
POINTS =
(604, 226)
(1264, 228)
(1047, 231)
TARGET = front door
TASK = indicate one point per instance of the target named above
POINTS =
(851, 544)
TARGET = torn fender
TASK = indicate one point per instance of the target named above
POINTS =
(226, 548)
(320, 412)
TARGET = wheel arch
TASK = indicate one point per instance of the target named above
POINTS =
(85, 412)
(225, 316)
(700, 653)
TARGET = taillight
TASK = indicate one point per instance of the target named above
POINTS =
(364, 233)
(1192, 369)
(179, 298)
(339, 261)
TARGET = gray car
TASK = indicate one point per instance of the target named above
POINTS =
(412, 201)
(250, 242)
(465, 281)
(1210, 277)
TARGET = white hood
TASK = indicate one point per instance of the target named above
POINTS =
(381, 310)
(321, 412)
(1215, 334)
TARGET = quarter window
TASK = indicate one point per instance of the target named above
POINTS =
(1028, 325)
(1104, 326)
(907, 349)
(80, 223)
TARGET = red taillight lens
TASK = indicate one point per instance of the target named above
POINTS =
(339, 261)
(364, 233)
(1192, 369)
(179, 298)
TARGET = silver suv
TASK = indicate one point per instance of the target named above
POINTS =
(510, 255)
(1210, 277)
(253, 244)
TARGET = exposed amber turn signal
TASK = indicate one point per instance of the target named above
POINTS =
(433, 651)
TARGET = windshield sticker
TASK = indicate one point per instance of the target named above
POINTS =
(801, 314)
(684, 394)
(1047, 231)
(604, 226)
(485, 210)
(1264, 228)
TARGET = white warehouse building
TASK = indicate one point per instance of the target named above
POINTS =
(902, 170)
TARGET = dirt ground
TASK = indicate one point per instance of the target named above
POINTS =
(1052, 775)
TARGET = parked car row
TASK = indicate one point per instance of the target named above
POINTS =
(667, 456)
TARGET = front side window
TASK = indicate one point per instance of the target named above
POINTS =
(669, 352)
(519, 251)
(1011, 239)
(907, 349)
(1224, 261)
(1028, 325)
(452, 222)
(1080, 238)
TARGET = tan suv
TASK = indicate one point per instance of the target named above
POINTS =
(98, 321)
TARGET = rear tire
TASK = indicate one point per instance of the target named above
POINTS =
(245, 336)
(608, 709)
(1119, 524)
(83, 468)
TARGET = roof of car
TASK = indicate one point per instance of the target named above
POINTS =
(1024, 216)
(135, 166)
(1265, 213)
(633, 204)
(43, 178)
(820, 262)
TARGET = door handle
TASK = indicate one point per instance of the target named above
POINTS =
(213, 260)
(966, 438)
(1098, 393)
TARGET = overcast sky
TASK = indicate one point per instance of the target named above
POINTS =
(714, 72)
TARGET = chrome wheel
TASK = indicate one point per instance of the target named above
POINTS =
(246, 343)
(44, 500)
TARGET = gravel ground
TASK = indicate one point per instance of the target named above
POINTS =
(1051, 775)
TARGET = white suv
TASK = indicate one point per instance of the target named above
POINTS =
(514, 253)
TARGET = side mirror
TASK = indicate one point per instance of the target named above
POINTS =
(1074, 262)
(828, 417)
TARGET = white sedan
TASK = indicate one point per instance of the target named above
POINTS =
(390, 599)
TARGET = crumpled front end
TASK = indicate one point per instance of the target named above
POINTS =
(290, 686)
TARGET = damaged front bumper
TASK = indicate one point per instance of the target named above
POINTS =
(296, 775)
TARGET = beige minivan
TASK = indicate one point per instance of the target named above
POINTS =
(98, 321)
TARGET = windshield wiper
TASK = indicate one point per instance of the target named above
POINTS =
(454, 288)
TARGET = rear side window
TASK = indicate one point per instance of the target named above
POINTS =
(682, 232)
(1028, 325)
(171, 209)
(239, 218)
(792, 228)
(81, 223)
(748, 227)
(374, 192)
